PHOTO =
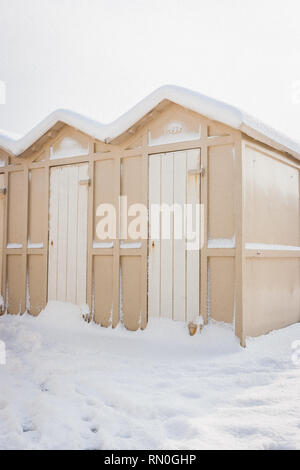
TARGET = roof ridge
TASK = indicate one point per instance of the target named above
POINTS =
(214, 109)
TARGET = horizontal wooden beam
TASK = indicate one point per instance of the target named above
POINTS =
(213, 252)
(272, 254)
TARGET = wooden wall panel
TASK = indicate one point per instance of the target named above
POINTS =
(103, 189)
(103, 290)
(272, 294)
(222, 287)
(217, 130)
(193, 256)
(16, 283)
(36, 290)
(16, 208)
(272, 213)
(37, 210)
(221, 192)
(131, 185)
(130, 302)
(81, 232)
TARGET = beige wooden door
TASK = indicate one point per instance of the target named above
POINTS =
(174, 268)
(68, 233)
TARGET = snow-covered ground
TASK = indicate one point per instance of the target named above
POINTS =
(72, 385)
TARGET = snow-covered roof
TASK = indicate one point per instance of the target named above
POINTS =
(209, 107)
(9, 135)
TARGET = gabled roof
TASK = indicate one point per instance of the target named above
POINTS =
(209, 107)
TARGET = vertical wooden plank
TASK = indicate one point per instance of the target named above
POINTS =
(62, 240)
(46, 229)
(82, 235)
(38, 227)
(221, 191)
(179, 270)
(131, 299)
(144, 255)
(116, 249)
(72, 234)
(36, 283)
(167, 179)
(204, 203)
(154, 246)
(53, 233)
(103, 279)
(131, 186)
(103, 190)
(240, 259)
(17, 237)
(16, 208)
(222, 288)
(90, 229)
(16, 282)
(193, 256)
(25, 301)
(36, 212)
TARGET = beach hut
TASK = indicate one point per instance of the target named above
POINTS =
(84, 210)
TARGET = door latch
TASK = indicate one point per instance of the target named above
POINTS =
(86, 182)
(197, 171)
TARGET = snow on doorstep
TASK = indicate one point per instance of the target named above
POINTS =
(221, 242)
(14, 246)
(267, 246)
(68, 384)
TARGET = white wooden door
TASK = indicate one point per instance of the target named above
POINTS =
(174, 268)
(68, 233)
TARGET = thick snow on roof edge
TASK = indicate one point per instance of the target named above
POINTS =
(209, 107)
(9, 135)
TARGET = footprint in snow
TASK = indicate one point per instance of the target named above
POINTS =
(44, 387)
(28, 426)
(88, 417)
(90, 402)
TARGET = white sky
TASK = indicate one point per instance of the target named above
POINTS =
(99, 57)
